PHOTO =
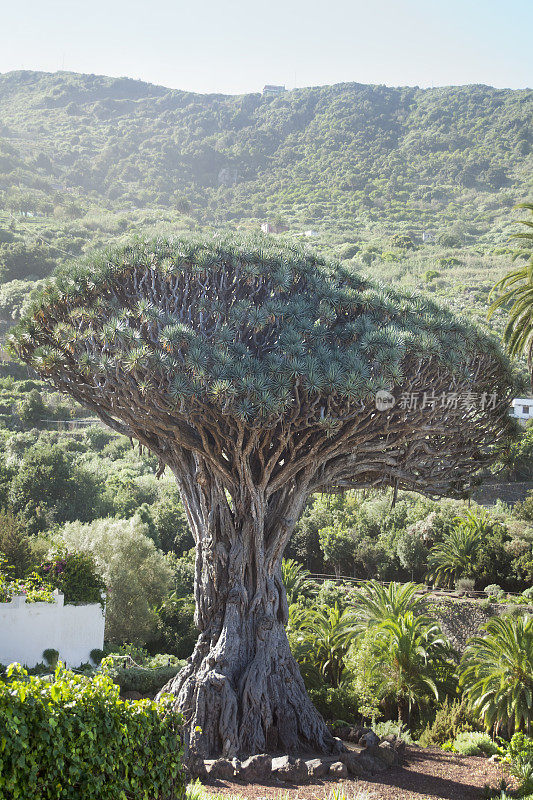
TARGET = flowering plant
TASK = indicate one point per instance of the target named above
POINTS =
(74, 574)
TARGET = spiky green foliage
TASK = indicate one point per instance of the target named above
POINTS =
(413, 646)
(320, 639)
(296, 580)
(199, 341)
(516, 293)
(375, 604)
(497, 673)
(454, 557)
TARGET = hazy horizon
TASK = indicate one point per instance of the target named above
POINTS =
(259, 88)
(236, 49)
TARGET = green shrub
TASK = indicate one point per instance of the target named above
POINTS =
(520, 759)
(96, 655)
(51, 657)
(76, 576)
(392, 727)
(335, 703)
(451, 719)
(74, 738)
(143, 680)
(138, 672)
(474, 743)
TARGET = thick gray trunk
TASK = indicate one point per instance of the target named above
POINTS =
(241, 691)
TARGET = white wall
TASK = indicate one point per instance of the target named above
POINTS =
(26, 629)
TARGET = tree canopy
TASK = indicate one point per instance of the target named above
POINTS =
(211, 346)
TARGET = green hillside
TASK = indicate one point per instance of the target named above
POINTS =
(346, 152)
(357, 168)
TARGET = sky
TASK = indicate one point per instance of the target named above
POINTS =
(236, 46)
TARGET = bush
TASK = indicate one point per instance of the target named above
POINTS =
(492, 590)
(76, 576)
(144, 680)
(450, 720)
(134, 670)
(137, 574)
(176, 631)
(75, 738)
(520, 758)
(465, 584)
(336, 703)
(474, 743)
(51, 657)
(14, 545)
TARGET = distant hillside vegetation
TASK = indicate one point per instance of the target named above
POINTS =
(314, 156)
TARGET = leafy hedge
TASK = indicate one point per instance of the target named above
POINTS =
(75, 738)
(144, 680)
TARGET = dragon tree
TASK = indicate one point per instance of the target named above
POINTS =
(252, 371)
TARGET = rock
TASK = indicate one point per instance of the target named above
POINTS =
(369, 739)
(196, 768)
(367, 763)
(338, 747)
(338, 770)
(343, 732)
(220, 768)
(378, 765)
(354, 764)
(316, 768)
(290, 770)
(354, 735)
(386, 753)
(256, 768)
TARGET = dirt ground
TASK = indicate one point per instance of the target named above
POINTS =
(426, 774)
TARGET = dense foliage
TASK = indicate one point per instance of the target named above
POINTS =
(311, 155)
(497, 673)
(73, 737)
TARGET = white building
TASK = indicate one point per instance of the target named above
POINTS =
(270, 88)
(27, 629)
(522, 408)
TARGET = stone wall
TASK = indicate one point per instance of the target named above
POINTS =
(461, 618)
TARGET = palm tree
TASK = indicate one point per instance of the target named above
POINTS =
(297, 580)
(413, 647)
(517, 288)
(320, 640)
(455, 555)
(497, 673)
(374, 604)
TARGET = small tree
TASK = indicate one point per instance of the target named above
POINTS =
(338, 547)
(14, 545)
(412, 552)
(251, 372)
(454, 557)
(137, 575)
(497, 673)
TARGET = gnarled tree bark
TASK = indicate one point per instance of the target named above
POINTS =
(241, 691)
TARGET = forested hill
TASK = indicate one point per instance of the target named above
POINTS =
(347, 154)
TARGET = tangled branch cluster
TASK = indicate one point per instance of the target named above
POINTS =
(264, 361)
